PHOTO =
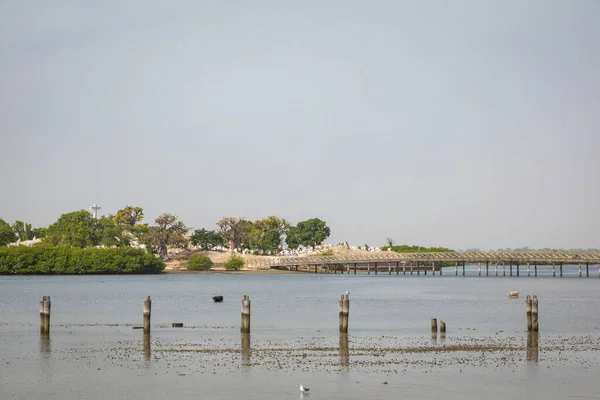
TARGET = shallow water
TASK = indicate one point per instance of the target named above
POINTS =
(93, 352)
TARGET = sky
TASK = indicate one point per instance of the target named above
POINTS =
(464, 124)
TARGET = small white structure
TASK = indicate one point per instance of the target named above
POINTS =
(513, 294)
(94, 209)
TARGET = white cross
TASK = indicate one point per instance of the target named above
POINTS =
(94, 208)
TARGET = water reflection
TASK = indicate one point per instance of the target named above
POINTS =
(147, 347)
(442, 337)
(344, 351)
(246, 351)
(434, 338)
(533, 346)
(45, 347)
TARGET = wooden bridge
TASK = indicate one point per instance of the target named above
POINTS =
(435, 262)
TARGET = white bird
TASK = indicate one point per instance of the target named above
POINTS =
(304, 389)
(347, 292)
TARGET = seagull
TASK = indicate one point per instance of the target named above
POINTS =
(304, 389)
(347, 293)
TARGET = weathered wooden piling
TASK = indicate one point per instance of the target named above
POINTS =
(518, 265)
(487, 268)
(442, 327)
(532, 346)
(553, 270)
(344, 312)
(434, 326)
(528, 304)
(587, 270)
(147, 347)
(456, 268)
(463, 268)
(245, 314)
(534, 314)
(246, 349)
(561, 265)
(45, 307)
(433, 268)
(528, 270)
(344, 351)
(478, 269)
(535, 269)
(496, 268)
(147, 311)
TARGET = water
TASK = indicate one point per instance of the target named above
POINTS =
(93, 352)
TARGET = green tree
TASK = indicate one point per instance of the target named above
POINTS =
(7, 235)
(39, 232)
(75, 229)
(206, 239)
(236, 231)
(234, 262)
(112, 234)
(22, 230)
(311, 232)
(199, 262)
(265, 234)
(167, 232)
(128, 217)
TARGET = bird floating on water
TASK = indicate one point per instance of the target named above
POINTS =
(304, 389)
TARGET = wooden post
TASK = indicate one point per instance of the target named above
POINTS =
(587, 270)
(434, 325)
(528, 270)
(45, 306)
(456, 268)
(528, 304)
(425, 268)
(561, 265)
(518, 269)
(535, 269)
(534, 314)
(441, 269)
(147, 311)
(503, 268)
(580, 270)
(442, 327)
(510, 266)
(433, 268)
(344, 312)
(553, 270)
(397, 268)
(418, 269)
(404, 268)
(411, 269)
(147, 348)
(354, 268)
(463, 268)
(487, 268)
(368, 268)
(479, 269)
(389, 268)
(376, 268)
(496, 268)
(245, 314)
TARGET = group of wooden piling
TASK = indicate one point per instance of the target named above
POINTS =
(434, 326)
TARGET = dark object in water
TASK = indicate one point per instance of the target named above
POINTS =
(217, 299)
(177, 325)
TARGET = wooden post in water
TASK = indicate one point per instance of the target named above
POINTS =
(580, 270)
(354, 268)
(561, 265)
(553, 270)
(528, 304)
(456, 268)
(487, 268)
(368, 268)
(518, 269)
(425, 268)
(45, 306)
(442, 327)
(496, 268)
(535, 269)
(463, 268)
(510, 266)
(433, 268)
(479, 269)
(503, 268)
(245, 314)
(147, 311)
(389, 268)
(411, 269)
(404, 268)
(343, 312)
(528, 271)
(376, 268)
(587, 270)
(441, 268)
(397, 268)
(434, 325)
(418, 269)
(534, 314)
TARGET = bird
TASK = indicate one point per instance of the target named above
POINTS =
(347, 293)
(304, 389)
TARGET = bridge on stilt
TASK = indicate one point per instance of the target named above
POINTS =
(440, 263)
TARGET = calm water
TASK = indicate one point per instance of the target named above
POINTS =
(93, 352)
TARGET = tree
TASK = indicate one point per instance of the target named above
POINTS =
(75, 229)
(128, 217)
(6, 233)
(39, 232)
(390, 242)
(167, 232)
(311, 232)
(207, 239)
(266, 233)
(22, 230)
(199, 262)
(236, 231)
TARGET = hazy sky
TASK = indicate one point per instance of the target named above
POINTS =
(453, 123)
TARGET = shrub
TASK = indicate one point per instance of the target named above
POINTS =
(234, 263)
(199, 262)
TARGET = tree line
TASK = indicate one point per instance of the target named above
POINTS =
(125, 228)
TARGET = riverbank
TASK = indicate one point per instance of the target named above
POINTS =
(224, 271)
